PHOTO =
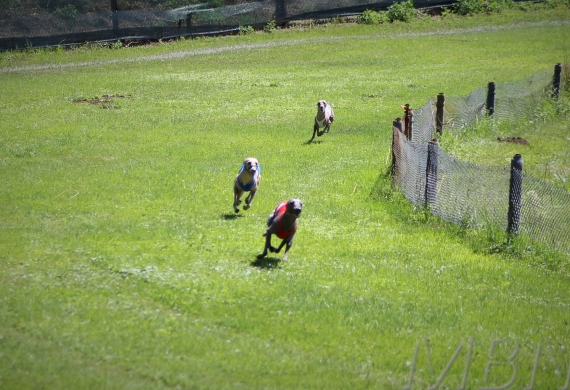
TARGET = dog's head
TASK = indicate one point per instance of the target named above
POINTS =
(251, 165)
(321, 106)
(294, 207)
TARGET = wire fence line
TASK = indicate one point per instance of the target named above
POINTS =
(69, 25)
(473, 195)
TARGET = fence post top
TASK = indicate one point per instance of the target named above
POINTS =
(517, 162)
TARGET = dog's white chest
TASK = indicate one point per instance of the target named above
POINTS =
(325, 120)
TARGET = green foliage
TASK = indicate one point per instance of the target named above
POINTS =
(369, 17)
(523, 5)
(270, 27)
(498, 6)
(446, 12)
(246, 30)
(172, 4)
(67, 11)
(216, 3)
(401, 12)
(553, 4)
(469, 7)
(472, 7)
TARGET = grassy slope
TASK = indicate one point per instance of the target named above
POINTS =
(123, 267)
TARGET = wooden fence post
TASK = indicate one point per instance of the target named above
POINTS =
(408, 121)
(556, 80)
(515, 195)
(439, 113)
(431, 174)
(491, 98)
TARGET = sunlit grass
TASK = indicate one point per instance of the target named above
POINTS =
(124, 266)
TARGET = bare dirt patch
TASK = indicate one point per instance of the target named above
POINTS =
(516, 140)
(106, 101)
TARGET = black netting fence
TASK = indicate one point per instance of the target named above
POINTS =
(473, 195)
(75, 22)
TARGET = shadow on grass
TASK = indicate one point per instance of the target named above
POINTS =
(231, 216)
(309, 142)
(267, 263)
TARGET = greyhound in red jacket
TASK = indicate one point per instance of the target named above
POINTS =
(283, 223)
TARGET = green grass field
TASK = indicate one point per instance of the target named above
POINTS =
(123, 266)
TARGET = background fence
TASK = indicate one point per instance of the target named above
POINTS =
(473, 195)
(80, 21)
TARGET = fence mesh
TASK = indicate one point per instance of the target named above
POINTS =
(473, 195)
(45, 25)
(513, 100)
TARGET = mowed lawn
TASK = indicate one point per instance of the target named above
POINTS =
(123, 265)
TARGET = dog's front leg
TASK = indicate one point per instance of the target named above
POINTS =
(289, 245)
(249, 199)
(237, 195)
(315, 129)
(267, 245)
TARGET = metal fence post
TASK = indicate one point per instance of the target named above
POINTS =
(556, 80)
(397, 128)
(515, 195)
(280, 13)
(490, 105)
(431, 174)
(114, 9)
(398, 124)
(439, 113)
(189, 22)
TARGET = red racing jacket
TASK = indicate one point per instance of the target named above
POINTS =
(279, 211)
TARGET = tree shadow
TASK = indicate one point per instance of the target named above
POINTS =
(231, 216)
(266, 263)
